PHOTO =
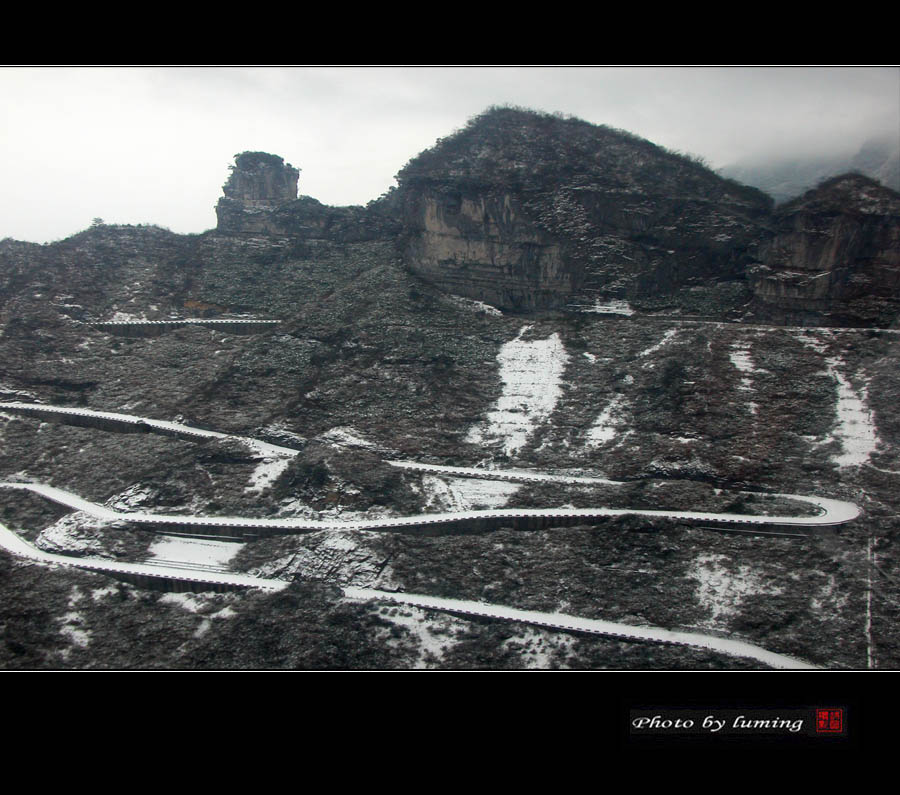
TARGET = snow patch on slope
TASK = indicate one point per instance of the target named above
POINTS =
(811, 342)
(72, 628)
(346, 437)
(741, 359)
(531, 373)
(433, 634)
(195, 551)
(540, 650)
(200, 604)
(606, 425)
(267, 471)
(856, 429)
(466, 494)
(667, 338)
(721, 590)
(611, 307)
(475, 306)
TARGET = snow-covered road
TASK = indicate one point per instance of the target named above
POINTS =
(733, 648)
(832, 512)
(186, 572)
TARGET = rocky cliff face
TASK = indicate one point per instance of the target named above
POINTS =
(259, 183)
(485, 246)
(261, 199)
(834, 257)
(260, 179)
(529, 211)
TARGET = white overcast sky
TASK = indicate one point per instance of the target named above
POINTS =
(153, 145)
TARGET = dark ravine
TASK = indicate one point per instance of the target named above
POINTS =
(380, 340)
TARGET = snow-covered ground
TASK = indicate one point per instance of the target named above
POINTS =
(667, 338)
(465, 494)
(346, 437)
(743, 361)
(196, 551)
(127, 317)
(811, 341)
(531, 372)
(606, 426)
(474, 306)
(269, 469)
(856, 429)
(538, 649)
(200, 604)
(721, 589)
(433, 634)
(610, 307)
(72, 624)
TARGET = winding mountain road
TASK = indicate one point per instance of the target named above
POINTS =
(833, 512)
(560, 621)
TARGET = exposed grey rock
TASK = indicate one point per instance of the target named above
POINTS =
(834, 258)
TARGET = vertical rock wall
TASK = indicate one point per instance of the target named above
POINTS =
(259, 183)
(834, 257)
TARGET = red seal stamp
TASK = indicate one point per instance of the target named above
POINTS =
(829, 720)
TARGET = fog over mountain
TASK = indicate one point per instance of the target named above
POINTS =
(784, 177)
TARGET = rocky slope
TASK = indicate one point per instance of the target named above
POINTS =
(530, 211)
(371, 361)
(834, 258)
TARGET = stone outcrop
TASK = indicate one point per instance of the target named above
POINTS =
(258, 184)
(529, 211)
(834, 257)
(261, 199)
(261, 180)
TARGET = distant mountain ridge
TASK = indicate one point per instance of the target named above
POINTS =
(786, 178)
